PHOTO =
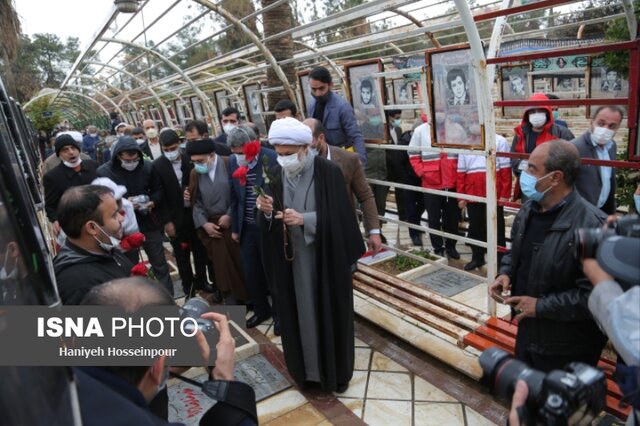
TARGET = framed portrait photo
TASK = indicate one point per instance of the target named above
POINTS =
(304, 91)
(254, 106)
(452, 98)
(606, 83)
(196, 107)
(366, 95)
(404, 92)
(514, 86)
(221, 100)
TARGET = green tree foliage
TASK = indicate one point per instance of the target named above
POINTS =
(42, 61)
(39, 111)
(618, 30)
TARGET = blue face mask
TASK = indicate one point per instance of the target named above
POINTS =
(636, 198)
(201, 168)
(528, 186)
(555, 115)
(183, 145)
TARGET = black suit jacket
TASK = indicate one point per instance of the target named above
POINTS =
(57, 180)
(171, 210)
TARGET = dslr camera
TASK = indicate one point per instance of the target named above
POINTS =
(194, 308)
(575, 395)
(615, 247)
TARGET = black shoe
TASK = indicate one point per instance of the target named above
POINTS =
(416, 241)
(255, 320)
(439, 252)
(453, 253)
(474, 264)
(276, 328)
(383, 239)
(342, 388)
(216, 296)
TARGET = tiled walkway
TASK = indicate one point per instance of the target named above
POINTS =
(382, 392)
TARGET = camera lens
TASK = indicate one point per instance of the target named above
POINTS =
(501, 372)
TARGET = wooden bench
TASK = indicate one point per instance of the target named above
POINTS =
(467, 326)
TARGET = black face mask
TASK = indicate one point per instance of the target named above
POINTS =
(323, 98)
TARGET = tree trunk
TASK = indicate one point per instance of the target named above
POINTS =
(276, 21)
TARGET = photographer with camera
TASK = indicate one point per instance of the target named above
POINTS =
(548, 289)
(124, 395)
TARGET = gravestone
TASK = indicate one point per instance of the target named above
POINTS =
(188, 403)
(445, 282)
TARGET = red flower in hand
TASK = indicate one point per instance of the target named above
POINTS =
(139, 270)
(251, 150)
(132, 242)
(241, 174)
(184, 246)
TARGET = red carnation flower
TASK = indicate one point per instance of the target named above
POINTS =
(241, 174)
(251, 150)
(184, 246)
(139, 270)
(133, 241)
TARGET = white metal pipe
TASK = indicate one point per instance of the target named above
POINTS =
(487, 120)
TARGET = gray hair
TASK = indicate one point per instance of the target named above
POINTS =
(563, 156)
(240, 136)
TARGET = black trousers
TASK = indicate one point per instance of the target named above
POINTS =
(413, 207)
(478, 228)
(155, 252)
(444, 215)
(380, 193)
(255, 279)
(185, 244)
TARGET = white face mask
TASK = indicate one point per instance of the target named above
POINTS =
(602, 135)
(93, 135)
(140, 141)
(291, 164)
(74, 164)
(228, 127)
(107, 247)
(173, 155)
(242, 161)
(151, 133)
(130, 165)
(538, 119)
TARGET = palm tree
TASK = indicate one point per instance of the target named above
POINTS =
(276, 21)
(9, 41)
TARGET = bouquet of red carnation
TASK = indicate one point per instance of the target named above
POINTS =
(251, 150)
(132, 241)
(143, 269)
(241, 174)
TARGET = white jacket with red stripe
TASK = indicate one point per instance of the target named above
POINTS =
(436, 169)
(472, 175)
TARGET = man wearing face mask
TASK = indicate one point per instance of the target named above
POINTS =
(90, 217)
(245, 175)
(72, 171)
(129, 169)
(335, 113)
(152, 145)
(210, 191)
(173, 170)
(230, 119)
(312, 240)
(90, 141)
(53, 160)
(548, 289)
(537, 126)
(597, 184)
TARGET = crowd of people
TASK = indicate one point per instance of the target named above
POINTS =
(273, 225)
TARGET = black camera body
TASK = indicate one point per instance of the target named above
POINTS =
(574, 395)
(616, 247)
(194, 308)
(588, 239)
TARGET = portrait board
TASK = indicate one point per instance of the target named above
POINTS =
(569, 86)
(514, 86)
(452, 98)
(366, 94)
(221, 100)
(196, 107)
(405, 92)
(254, 106)
(304, 91)
(606, 83)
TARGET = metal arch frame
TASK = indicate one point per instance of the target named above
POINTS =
(97, 92)
(333, 65)
(121, 92)
(270, 59)
(145, 85)
(66, 92)
(632, 23)
(198, 92)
